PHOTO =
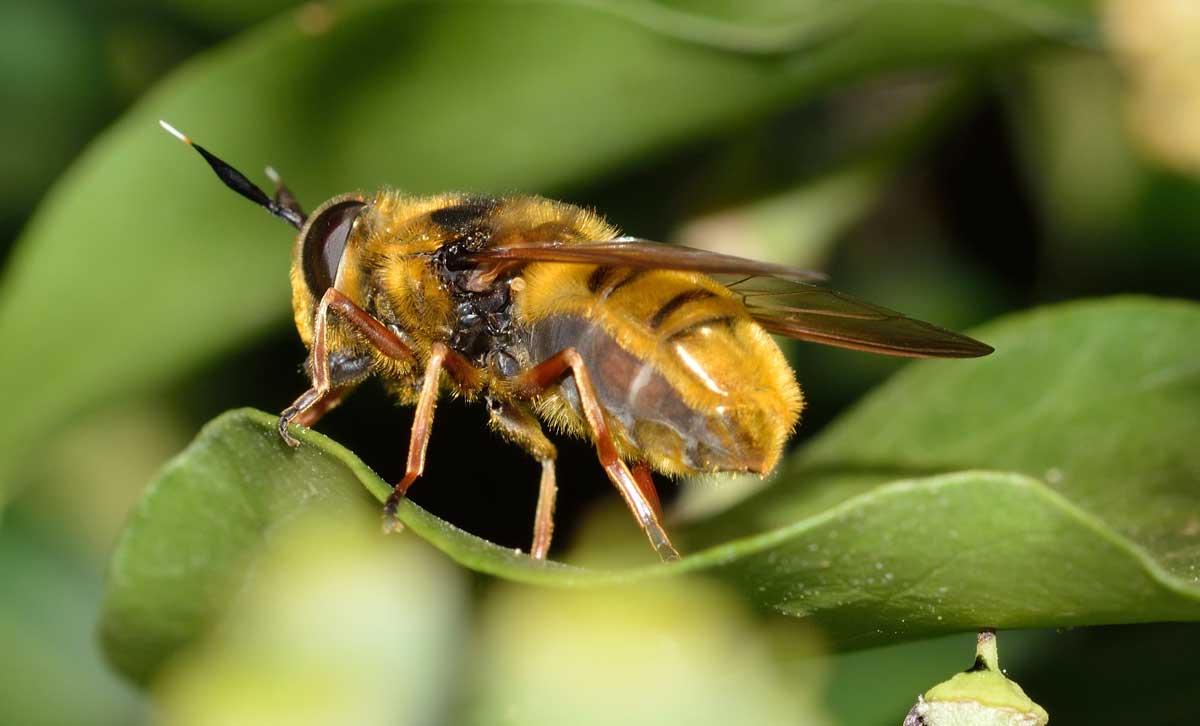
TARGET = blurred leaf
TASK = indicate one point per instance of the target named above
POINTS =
(53, 670)
(1113, 219)
(677, 652)
(114, 450)
(1078, 151)
(232, 15)
(387, 657)
(885, 528)
(1155, 42)
(139, 266)
(798, 226)
(53, 89)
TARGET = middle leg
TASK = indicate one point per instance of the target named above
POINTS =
(514, 422)
(440, 357)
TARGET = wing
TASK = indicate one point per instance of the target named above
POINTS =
(640, 254)
(777, 296)
(808, 312)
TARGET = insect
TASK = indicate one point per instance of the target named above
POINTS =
(661, 355)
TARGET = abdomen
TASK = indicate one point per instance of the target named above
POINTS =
(690, 383)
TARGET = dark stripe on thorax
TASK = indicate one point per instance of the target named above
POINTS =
(670, 306)
(463, 215)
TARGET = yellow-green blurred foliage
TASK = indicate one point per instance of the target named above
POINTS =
(1158, 45)
(340, 626)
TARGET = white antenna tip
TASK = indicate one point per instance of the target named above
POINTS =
(174, 132)
(273, 175)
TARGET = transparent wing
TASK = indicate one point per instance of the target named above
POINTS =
(818, 314)
(640, 254)
(777, 296)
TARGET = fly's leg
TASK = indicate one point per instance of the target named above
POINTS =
(641, 474)
(515, 423)
(326, 392)
(552, 370)
(330, 401)
(324, 395)
(440, 357)
(543, 518)
(419, 440)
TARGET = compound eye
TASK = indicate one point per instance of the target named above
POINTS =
(324, 244)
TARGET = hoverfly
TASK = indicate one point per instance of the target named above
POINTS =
(543, 310)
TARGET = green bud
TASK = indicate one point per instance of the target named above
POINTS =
(980, 696)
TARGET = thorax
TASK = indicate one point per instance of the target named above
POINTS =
(418, 277)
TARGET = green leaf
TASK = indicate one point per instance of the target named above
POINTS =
(888, 527)
(138, 267)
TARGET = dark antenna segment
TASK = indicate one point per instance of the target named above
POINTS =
(283, 205)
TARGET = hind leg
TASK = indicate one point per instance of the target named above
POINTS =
(552, 370)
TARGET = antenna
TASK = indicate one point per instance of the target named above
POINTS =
(283, 205)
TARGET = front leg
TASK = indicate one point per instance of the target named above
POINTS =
(332, 400)
(326, 391)
(310, 407)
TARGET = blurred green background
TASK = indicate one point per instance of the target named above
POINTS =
(953, 160)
